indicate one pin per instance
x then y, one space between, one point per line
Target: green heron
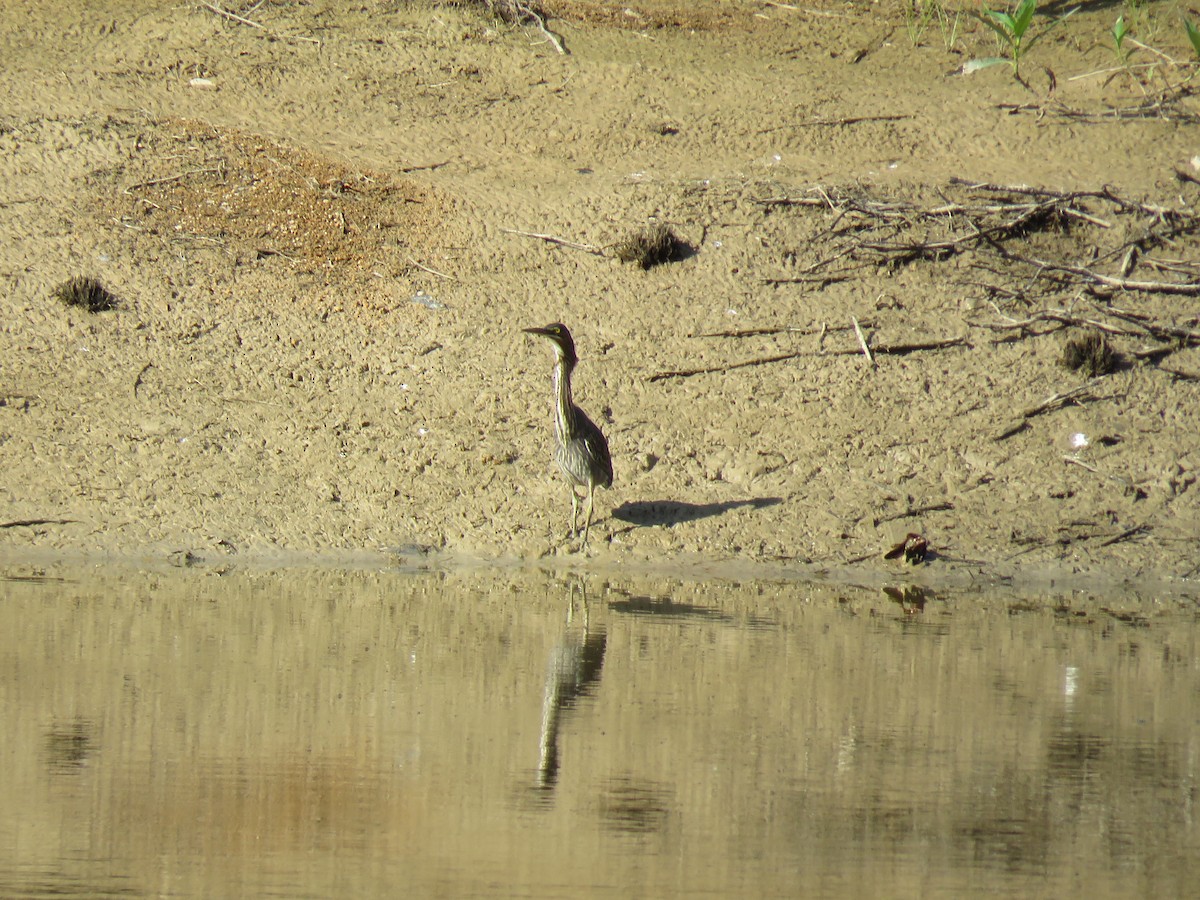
579 446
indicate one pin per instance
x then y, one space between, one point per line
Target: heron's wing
597 448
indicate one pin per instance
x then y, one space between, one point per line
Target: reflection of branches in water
69 746
572 671
666 608
635 807
669 608
910 597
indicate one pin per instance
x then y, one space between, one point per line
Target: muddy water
377 734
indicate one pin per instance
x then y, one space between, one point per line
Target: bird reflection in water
572 671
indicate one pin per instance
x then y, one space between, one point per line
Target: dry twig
912 512
862 341
549 238
900 349
233 17
1052 402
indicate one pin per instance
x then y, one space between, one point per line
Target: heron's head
560 336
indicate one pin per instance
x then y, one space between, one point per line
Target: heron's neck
564 409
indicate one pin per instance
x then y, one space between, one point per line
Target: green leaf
1193 34
975 65
1119 30
1001 20
1025 13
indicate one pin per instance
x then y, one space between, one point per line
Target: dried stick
168 179
549 238
847 120
1124 482
1063 318
761 332
554 40
431 271
25 523
227 14
234 17
1126 535
1123 284
687 373
913 511
886 349
1046 405
862 341
911 347
541 24
1057 400
426 166
137 382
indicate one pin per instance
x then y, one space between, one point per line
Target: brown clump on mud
651 246
1090 352
87 293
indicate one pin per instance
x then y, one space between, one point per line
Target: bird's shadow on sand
645 513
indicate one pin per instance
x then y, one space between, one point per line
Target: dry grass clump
1090 352
650 246
88 293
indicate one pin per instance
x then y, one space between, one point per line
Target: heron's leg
574 511
587 523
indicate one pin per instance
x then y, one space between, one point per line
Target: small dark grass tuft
86 292
1090 352
651 246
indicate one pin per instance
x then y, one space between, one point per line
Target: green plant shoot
1119 32
1193 34
1013 31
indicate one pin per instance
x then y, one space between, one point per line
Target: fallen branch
234 17
26 523
1125 535
541 24
907 347
241 20
845 120
1124 482
884 349
1191 289
168 179
427 167
549 238
425 268
912 512
1046 405
1061 317
745 364
1174 337
821 281
762 332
